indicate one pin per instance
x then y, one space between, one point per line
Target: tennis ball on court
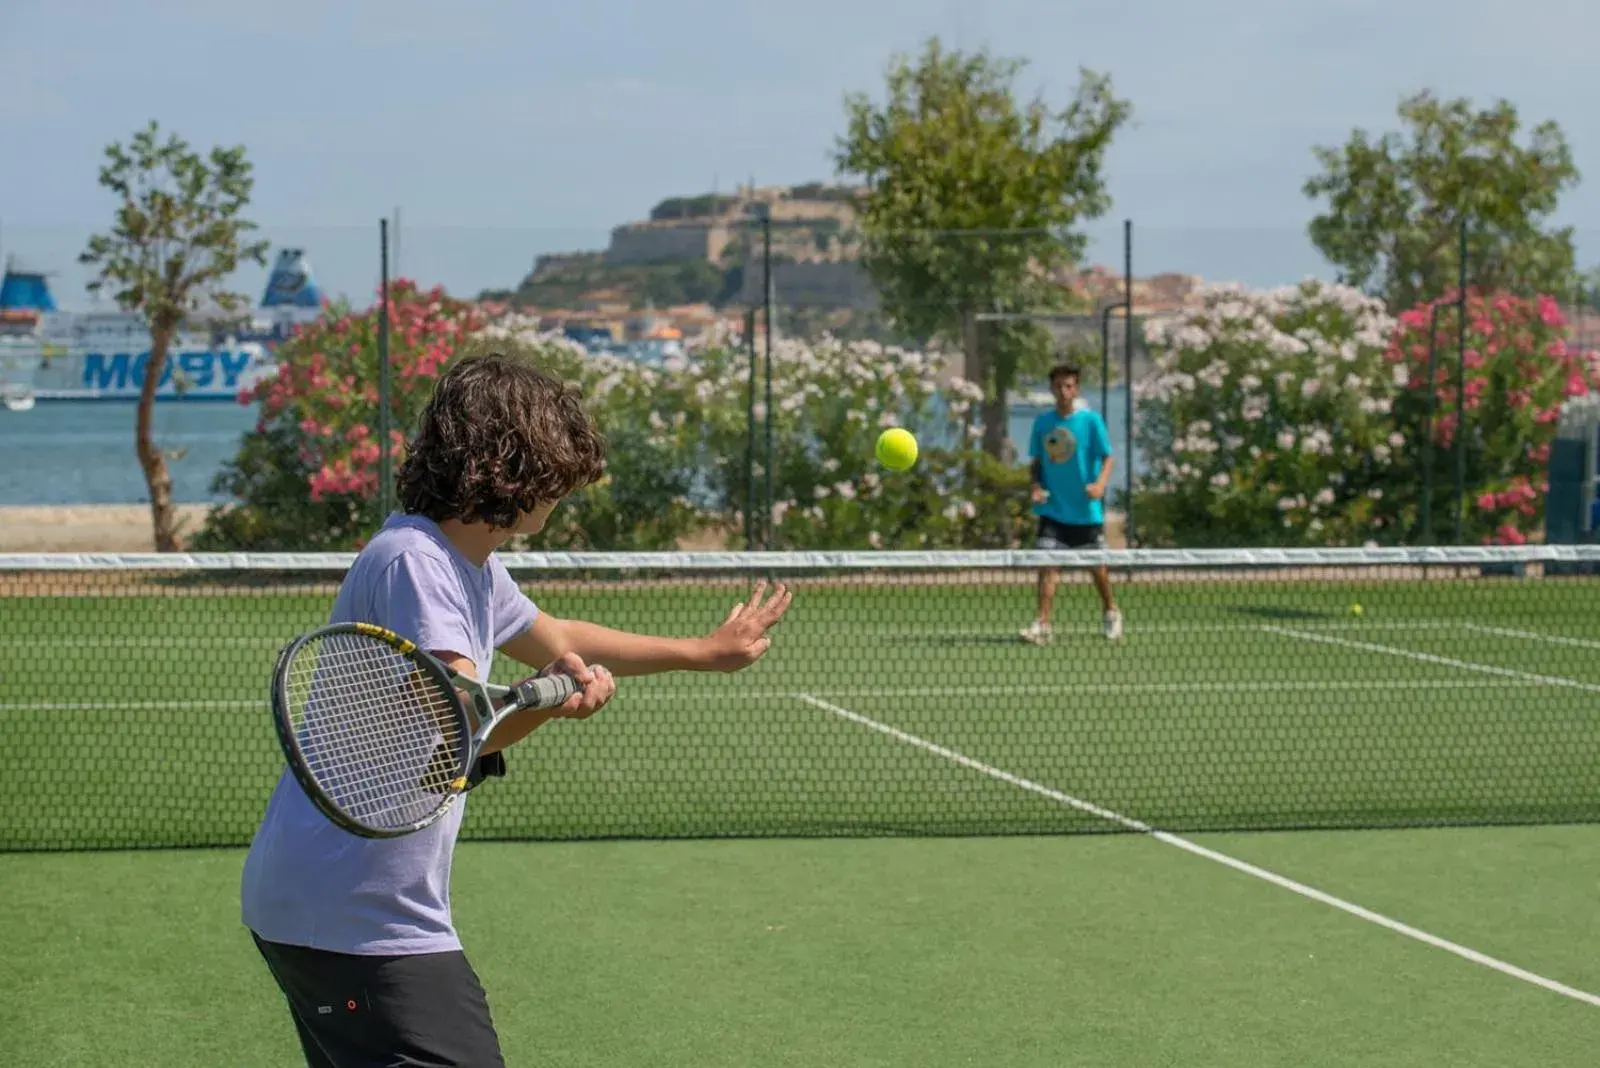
897 448
1355 609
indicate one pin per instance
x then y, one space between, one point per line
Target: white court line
1198 850
1430 658
1533 635
1145 628
1111 689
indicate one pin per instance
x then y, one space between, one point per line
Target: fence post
385 416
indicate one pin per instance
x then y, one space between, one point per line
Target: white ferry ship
47 354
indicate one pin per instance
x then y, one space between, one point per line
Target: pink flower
1539 454
308 425
1487 502
1519 398
1510 535
1550 311
1548 416
357 432
1473 358
1576 386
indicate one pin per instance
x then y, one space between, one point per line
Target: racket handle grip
545 691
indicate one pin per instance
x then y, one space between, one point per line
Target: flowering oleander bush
677 440
308 476
1519 369
1268 420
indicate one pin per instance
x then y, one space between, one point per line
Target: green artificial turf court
1047 951
864 849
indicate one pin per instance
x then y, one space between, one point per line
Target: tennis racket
377 731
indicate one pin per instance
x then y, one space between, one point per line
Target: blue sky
506 129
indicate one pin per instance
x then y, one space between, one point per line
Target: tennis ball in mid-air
897 448
1355 609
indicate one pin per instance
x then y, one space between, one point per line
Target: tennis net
1251 689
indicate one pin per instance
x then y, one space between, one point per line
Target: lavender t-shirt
307 882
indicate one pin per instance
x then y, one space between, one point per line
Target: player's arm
739 642
519 725
1097 488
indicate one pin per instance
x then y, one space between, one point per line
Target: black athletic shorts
1058 535
355 1011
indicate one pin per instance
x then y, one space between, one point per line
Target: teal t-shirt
1070 449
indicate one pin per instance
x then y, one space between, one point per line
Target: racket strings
382 740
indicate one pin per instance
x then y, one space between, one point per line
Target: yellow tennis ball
1355 609
897 448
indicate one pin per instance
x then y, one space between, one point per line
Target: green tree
971 200
1394 203
177 237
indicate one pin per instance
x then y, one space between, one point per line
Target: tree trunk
156 477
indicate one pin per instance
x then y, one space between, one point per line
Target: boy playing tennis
1071 453
357 932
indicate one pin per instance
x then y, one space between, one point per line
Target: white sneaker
1037 633
1111 626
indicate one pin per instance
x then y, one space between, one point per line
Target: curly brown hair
498 438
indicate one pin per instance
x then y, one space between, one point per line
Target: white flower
845 490
1221 479
874 539
1286 439
1324 496
1396 440
1310 387
1402 375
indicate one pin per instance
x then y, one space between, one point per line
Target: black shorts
1057 535
355 1011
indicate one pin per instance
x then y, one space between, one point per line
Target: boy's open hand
742 638
598 687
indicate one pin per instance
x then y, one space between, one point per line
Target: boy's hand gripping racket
377 731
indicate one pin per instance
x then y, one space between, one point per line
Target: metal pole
1105 357
1127 377
750 435
385 461
1427 427
766 300
1461 385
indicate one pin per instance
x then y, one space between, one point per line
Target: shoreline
87 528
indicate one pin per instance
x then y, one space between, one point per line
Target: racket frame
490 705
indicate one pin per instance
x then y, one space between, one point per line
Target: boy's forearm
625 653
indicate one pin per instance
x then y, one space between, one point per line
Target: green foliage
307 477
692 207
1267 422
678 441
179 232
1394 203
973 197
1516 370
178 235
680 282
